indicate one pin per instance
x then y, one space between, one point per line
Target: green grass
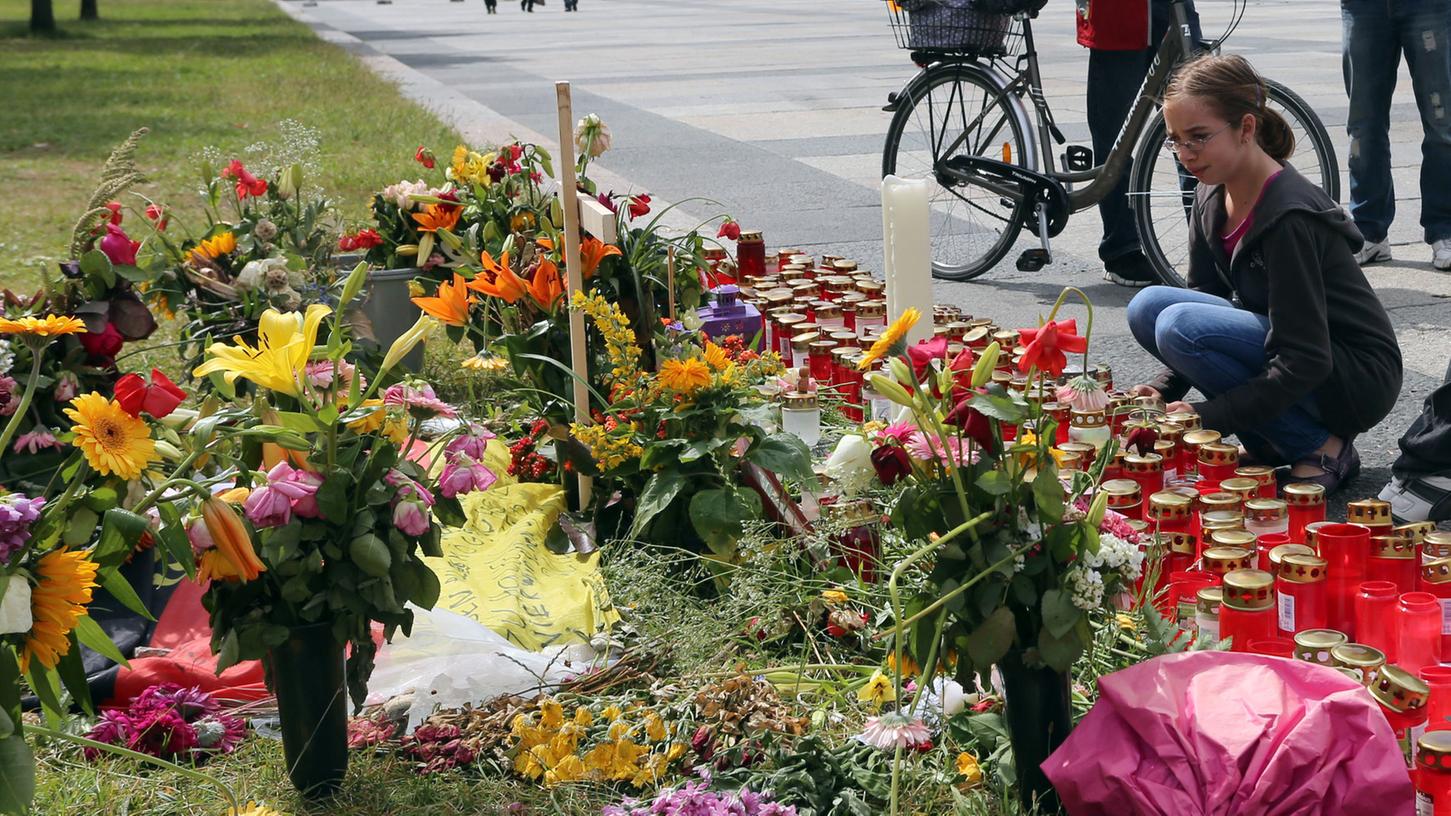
201 74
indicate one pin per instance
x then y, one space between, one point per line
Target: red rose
158 398
973 423
892 463
156 213
424 156
367 239
103 347
729 229
639 205
115 208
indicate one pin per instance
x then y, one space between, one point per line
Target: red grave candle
1402 696
1418 631
1438 709
1148 471
1306 502
1436 580
1433 770
1346 547
1217 462
1300 594
1393 558
858 547
751 254
1248 610
1376 603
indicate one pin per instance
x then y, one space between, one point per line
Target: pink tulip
119 247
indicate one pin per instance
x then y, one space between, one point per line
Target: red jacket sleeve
1113 25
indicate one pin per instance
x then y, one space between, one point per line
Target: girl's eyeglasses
1194 144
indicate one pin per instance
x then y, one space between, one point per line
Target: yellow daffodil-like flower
63 588
611 713
684 376
909 666
47 326
113 441
568 769
215 247
551 714
834 597
284 342
619 729
890 340
969 769
469 167
655 728
878 691
582 717
254 809
716 357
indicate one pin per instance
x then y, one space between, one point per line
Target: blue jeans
1217 346
1376 33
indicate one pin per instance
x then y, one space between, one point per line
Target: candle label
1446 616
1417 731
1287 612
882 409
1208 628
1425 805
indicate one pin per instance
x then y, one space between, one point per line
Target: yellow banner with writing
497 570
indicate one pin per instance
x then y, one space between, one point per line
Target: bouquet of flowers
170 722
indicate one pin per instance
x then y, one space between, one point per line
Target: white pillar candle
907 251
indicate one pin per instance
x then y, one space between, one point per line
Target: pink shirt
1231 240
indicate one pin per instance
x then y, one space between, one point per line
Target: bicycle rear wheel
972 228
1162 194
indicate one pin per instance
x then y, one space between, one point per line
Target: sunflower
62 590
113 441
215 247
48 326
685 376
886 344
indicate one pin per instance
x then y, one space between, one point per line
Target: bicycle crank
1044 198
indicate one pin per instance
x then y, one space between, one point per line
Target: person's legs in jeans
1144 310
1370 57
1425 37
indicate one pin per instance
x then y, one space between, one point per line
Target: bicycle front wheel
972 228
1162 193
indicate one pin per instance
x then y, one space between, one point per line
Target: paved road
773 109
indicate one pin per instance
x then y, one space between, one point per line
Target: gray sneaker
1441 253
1380 252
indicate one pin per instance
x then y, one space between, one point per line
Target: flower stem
136 755
181 467
24 408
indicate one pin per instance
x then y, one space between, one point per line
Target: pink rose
268 507
411 517
119 247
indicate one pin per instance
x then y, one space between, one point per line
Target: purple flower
67 386
17 513
464 475
114 728
191 702
408 488
411 517
268 507
10 395
119 247
471 444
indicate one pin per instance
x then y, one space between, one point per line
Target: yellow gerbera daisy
62 590
113 441
254 809
215 247
48 326
886 344
715 357
684 376
481 362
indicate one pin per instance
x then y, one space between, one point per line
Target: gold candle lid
1007 339
871 309
1320 639
804 400
1201 437
1278 554
1433 751
1221 520
1248 589
1244 488
1180 543
1241 539
1171 431
1415 531
1399 690
1370 512
1266 509
1351 673
1357 656
1218 453
1393 546
1437 542
803 341
1088 419
1208 600
1146 463
1304 494
1221 501
1299 568
1167 506
1224 560
820 346
1165 448
1261 474
1436 572
1188 420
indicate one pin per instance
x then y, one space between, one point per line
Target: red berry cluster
735 349
525 463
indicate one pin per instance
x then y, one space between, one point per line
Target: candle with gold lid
1209 601
1214 520
1362 658
1239 539
1245 489
1210 502
1393 558
1300 593
1217 462
1433 772
1436 544
1402 698
1263 476
1183 551
1147 470
1090 427
1188 420
1266 517
1125 496
1278 554
1436 580
1224 560
1312 539
1314 645
1248 611
1372 513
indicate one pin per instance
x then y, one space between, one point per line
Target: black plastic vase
312 702
1036 706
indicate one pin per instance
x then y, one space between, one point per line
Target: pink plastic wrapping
1231 735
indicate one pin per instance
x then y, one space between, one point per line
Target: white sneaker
1441 253
1426 498
1380 251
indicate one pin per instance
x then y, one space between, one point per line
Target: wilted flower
265 230
591 137
895 730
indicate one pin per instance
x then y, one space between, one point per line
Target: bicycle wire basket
956 27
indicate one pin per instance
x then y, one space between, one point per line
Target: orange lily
498 280
237 558
546 288
451 305
436 217
591 251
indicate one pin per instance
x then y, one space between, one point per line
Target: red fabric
1113 25
183 629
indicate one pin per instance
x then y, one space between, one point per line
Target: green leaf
785 455
46 685
79 526
659 492
719 515
1048 494
1060 652
429 587
230 653
120 531
995 483
72 675
1059 613
300 422
116 584
1000 407
987 644
95 264
332 496
17 775
93 636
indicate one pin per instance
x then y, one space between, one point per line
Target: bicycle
962 123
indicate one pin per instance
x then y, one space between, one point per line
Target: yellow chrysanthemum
551 714
62 590
284 342
886 344
254 809
969 769
611 713
655 728
684 376
113 441
215 247
716 357
833 597
878 691
582 716
48 326
568 769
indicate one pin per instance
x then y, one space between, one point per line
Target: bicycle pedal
1078 158
1033 259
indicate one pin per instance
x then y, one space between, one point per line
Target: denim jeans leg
1218 349
1369 58
1425 36
1144 310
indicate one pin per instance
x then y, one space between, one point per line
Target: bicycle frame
1176 46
